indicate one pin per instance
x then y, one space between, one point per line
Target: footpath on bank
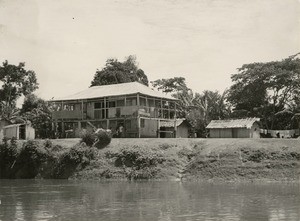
180 159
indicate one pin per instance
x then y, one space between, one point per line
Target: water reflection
92 200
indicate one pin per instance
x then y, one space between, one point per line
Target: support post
82 117
139 126
138 100
161 109
79 125
158 128
104 117
62 129
175 128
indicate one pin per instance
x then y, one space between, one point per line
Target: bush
100 139
48 144
8 156
140 162
87 137
36 159
29 160
78 156
103 138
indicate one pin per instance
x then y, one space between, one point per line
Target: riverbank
180 159
197 159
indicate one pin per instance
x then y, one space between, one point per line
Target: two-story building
132 109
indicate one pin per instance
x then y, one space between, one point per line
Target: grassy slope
204 159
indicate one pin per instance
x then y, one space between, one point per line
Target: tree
38 112
170 85
178 89
265 89
16 81
116 72
212 104
198 109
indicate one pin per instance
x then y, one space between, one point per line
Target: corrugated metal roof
170 123
238 123
115 90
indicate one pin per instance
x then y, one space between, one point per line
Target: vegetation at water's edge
201 159
33 159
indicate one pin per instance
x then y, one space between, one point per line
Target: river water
152 200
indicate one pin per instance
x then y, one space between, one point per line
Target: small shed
167 129
234 128
19 131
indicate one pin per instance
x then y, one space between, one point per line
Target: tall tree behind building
198 108
116 72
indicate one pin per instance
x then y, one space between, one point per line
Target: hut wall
225 133
214 133
182 131
3 123
11 132
30 132
220 133
241 133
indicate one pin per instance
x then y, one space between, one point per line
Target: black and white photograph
150 110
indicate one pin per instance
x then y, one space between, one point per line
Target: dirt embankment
203 159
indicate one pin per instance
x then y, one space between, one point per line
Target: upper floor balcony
65 114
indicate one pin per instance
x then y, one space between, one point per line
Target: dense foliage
36 159
116 72
38 112
16 81
198 109
265 90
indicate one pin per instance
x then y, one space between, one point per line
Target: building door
162 132
22 132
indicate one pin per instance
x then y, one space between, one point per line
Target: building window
166 114
165 104
120 103
151 103
131 102
172 105
98 105
143 101
112 104
157 103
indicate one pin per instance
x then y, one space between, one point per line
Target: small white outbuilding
234 128
19 131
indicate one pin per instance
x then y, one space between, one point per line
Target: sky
65 41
